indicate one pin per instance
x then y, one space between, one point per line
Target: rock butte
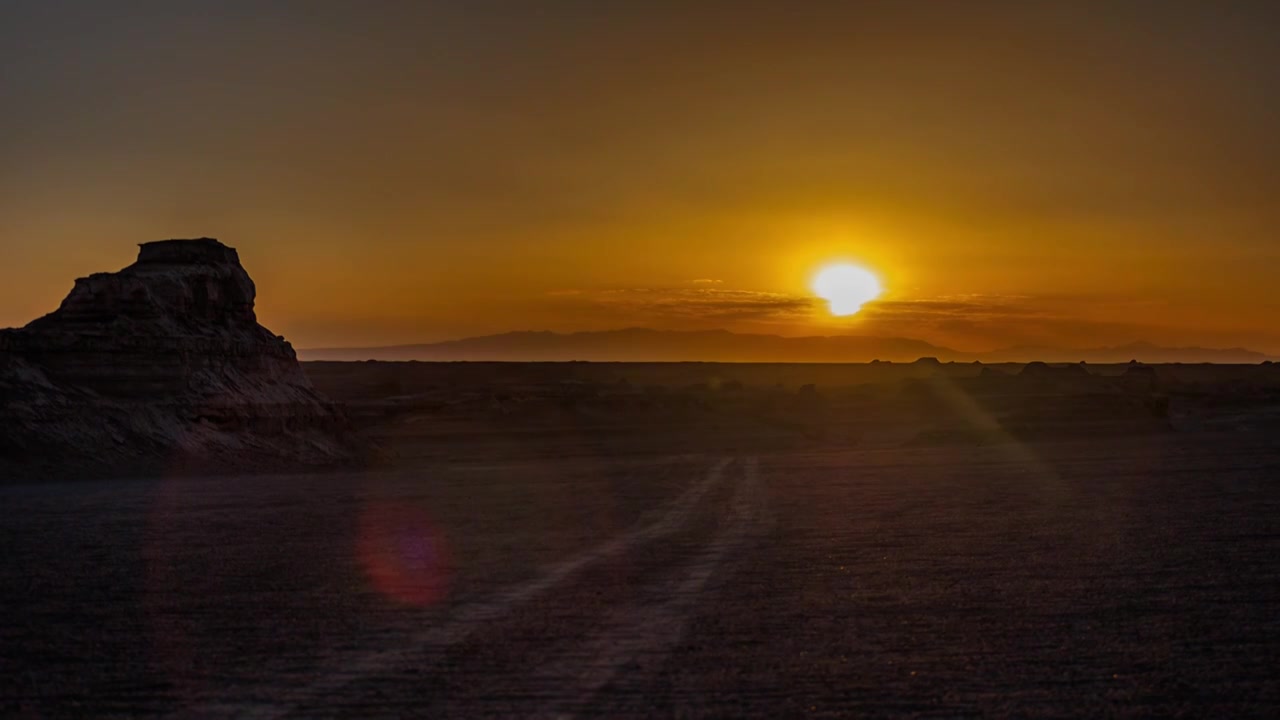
161 367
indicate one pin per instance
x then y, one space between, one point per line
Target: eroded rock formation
161 367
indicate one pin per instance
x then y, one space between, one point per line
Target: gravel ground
1132 577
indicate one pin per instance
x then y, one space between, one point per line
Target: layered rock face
161 366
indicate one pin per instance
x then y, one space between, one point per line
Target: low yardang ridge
163 367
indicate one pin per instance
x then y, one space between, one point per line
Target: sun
846 287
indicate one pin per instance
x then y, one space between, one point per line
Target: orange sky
1076 174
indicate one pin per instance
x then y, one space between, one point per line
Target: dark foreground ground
1134 576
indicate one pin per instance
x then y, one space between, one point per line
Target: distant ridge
1141 351
647 345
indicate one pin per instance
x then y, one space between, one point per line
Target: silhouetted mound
161 367
1140 378
1053 372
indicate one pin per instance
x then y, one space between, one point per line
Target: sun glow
846 288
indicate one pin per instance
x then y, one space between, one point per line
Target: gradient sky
1070 173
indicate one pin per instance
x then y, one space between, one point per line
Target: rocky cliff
160 367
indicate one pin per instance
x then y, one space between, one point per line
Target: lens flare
403 554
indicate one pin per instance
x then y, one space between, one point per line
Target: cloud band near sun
989 321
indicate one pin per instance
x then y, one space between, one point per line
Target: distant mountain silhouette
646 345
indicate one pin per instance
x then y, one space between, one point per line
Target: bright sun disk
846 288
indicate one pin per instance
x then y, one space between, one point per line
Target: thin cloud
973 307
702 303
708 303
965 322
996 321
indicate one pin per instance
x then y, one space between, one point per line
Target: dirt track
1137 578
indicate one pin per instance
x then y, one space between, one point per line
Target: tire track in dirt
634 642
285 700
